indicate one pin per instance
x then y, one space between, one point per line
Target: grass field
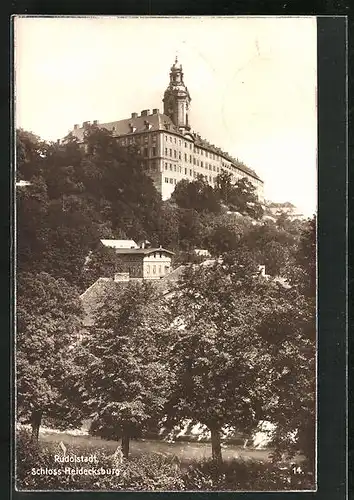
185 451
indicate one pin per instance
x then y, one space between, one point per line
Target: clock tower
176 100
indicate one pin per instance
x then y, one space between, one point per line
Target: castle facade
171 151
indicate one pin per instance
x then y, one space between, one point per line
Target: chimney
145 112
85 124
134 115
76 126
95 122
155 111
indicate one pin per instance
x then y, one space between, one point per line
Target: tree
214 355
239 196
242 350
196 195
100 262
126 385
190 229
223 186
48 323
222 240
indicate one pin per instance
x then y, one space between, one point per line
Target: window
190 158
185 171
170 139
206 154
146 152
193 161
217 169
175 168
190 146
202 152
166 167
201 163
148 269
154 151
175 140
170 166
185 145
179 169
166 180
179 155
166 152
179 142
198 163
171 181
153 269
174 181
175 153
214 168
185 156
166 138
209 167
170 152
209 178
190 172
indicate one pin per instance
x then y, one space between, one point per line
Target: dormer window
132 127
147 125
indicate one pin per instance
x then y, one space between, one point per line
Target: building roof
203 143
141 251
95 296
119 243
157 121
149 123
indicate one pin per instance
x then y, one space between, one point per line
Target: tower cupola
176 98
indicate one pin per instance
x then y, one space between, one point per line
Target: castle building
171 151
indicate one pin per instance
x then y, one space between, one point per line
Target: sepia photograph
165 240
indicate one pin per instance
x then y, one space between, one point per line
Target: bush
153 472
236 475
145 473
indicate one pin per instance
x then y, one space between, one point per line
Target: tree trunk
36 419
216 445
125 445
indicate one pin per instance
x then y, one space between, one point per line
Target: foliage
153 472
239 196
236 475
243 350
101 262
125 388
197 195
48 322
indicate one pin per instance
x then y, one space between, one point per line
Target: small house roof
141 251
119 243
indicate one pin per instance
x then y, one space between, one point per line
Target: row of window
197 150
138 139
172 180
173 153
146 151
157 269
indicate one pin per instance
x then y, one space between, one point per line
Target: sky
252 81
